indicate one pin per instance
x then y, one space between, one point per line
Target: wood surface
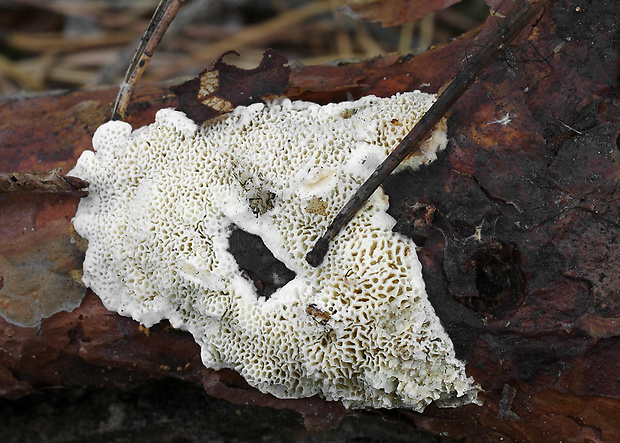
518 224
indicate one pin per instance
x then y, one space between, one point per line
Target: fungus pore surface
164 199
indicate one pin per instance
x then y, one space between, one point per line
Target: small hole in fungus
258 263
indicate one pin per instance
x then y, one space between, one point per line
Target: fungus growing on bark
164 199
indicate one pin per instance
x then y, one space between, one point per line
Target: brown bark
518 223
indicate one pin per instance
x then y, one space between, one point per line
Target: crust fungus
165 198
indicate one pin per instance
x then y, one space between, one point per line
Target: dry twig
42 182
461 82
164 14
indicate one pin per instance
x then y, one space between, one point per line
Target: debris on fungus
164 199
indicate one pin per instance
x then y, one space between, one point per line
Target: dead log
518 224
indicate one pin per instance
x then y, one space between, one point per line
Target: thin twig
52 182
164 14
461 82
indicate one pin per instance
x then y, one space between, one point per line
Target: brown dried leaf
394 12
221 87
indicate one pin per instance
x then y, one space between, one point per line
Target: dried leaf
394 12
221 87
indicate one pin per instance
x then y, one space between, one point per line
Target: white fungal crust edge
359 328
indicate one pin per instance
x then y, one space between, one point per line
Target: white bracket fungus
359 328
